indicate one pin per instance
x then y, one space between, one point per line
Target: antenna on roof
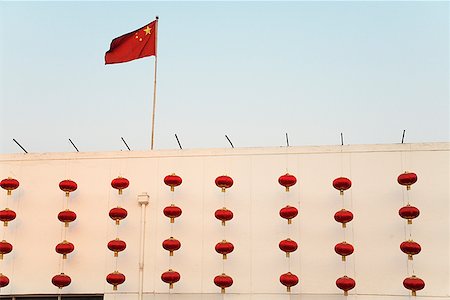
342 139
74 145
403 136
287 140
229 141
123 140
178 141
20 146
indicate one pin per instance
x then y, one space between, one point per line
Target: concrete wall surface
377 265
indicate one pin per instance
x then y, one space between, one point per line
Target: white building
377 265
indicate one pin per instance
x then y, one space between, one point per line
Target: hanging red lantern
287 180
5 248
64 248
346 284
172 180
342 184
172 212
118 214
171 245
224 248
61 280
344 249
9 184
411 248
4 281
120 183
67 216
7 215
116 246
288 246
223 281
68 186
223 215
115 278
170 277
289 212
224 182
413 284
288 280
407 179
409 212
343 216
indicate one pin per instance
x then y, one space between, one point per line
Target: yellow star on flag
147 30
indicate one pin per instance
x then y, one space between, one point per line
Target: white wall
378 265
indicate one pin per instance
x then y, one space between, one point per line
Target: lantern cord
20 146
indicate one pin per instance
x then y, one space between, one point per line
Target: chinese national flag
136 44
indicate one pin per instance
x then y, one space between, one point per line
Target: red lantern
5 248
4 281
118 214
6 216
64 248
172 212
289 280
224 248
287 181
413 284
223 281
224 182
411 248
344 249
289 212
117 246
288 246
120 183
61 280
170 277
343 216
115 279
346 284
407 179
172 181
68 186
342 184
171 245
223 215
9 184
409 212
67 216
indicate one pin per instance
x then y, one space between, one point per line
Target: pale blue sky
251 70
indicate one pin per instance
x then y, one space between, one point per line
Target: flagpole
154 83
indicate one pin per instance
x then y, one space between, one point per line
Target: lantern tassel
408 187
5 224
64 256
223 223
288 289
8 193
287 189
413 293
344 225
114 287
343 258
224 256
66 224
410 257
117 222
172 189
120 191
409 221
223 190
67 194
116 254
345 293
1 255
287 254
170 285
172 220
170 253
289 221
222 290
341 192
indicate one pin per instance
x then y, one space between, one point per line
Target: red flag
136 44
